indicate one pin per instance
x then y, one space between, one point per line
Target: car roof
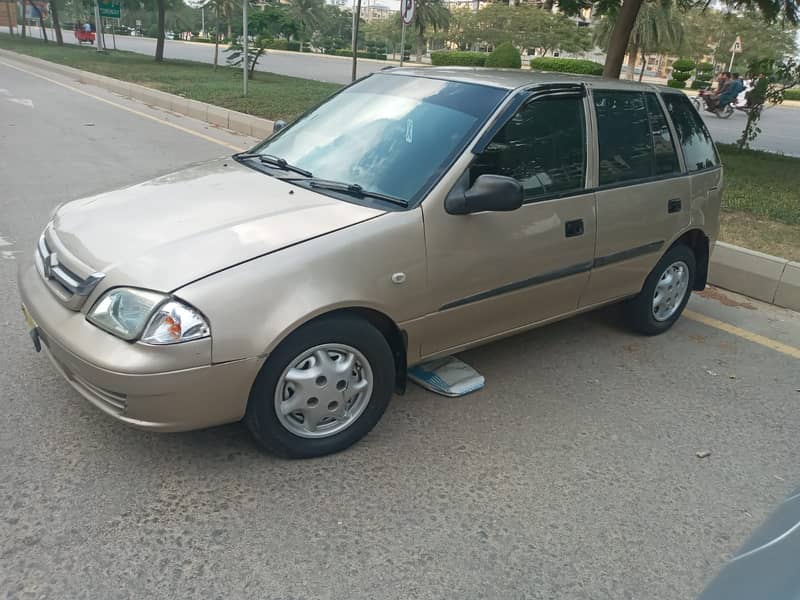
511 79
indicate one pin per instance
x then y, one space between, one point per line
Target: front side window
543 146
698 149
390 134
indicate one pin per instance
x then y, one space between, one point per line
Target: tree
429 14
776 78
308 14
56 22
711 33
657 28
235 53
770 11
463 28
162 9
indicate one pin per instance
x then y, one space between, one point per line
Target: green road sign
109 9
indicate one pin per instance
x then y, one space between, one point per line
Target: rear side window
666 158
633 137
698 149
543 146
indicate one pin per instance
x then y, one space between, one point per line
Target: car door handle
674 205
573 228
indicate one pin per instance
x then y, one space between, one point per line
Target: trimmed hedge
567 65
360 54
673 83
444 58
791 94
505 56
283 45
683 64
700 84
681 75
705 67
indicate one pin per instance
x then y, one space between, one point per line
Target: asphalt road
572 474
780 129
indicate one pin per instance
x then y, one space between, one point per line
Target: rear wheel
726 112
664 294
323 389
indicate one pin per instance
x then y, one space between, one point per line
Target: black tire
639 309
261 418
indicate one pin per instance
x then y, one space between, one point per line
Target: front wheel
323 389
697 103
664 294
724 113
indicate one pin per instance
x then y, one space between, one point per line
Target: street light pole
244 43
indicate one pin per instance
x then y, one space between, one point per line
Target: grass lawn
270 96
761 202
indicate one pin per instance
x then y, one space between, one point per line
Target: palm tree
657 28
429 14
308 14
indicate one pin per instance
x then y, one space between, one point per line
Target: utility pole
244 44
356 19
203 19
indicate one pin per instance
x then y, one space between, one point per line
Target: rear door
702 161
643 195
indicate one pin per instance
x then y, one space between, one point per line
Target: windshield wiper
354 190
275 161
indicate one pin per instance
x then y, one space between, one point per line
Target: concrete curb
755 274
761 276
235 121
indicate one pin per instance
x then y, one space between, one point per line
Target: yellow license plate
33 329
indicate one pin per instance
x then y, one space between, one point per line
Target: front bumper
169 388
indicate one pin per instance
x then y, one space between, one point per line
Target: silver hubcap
323 391
670 290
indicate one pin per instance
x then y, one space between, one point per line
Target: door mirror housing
278 125
494 193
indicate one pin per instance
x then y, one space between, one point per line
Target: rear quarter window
698 147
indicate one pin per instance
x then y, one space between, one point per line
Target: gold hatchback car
416 213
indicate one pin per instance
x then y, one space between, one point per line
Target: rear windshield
392 134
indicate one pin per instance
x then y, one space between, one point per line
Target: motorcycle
739 103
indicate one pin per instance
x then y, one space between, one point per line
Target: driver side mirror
489 193
278 125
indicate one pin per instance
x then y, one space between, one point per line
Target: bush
791 94
444 58
205 40
705 67
700 84
683 64
674 83
505 56
360 54
681 75
292 45
567 65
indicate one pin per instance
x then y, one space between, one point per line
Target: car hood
178 228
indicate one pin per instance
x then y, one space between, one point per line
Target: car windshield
390 134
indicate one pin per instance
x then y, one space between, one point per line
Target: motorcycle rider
723 82
730 94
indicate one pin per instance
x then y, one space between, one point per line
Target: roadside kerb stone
219 116
747 272
788 292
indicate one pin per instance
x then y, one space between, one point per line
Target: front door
643 199
494 272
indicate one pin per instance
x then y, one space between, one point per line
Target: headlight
127 312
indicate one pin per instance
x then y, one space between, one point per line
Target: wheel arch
394 336
698 242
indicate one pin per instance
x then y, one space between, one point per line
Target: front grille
69 287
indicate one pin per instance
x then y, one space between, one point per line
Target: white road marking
9 254
4 242
4 92
23 101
